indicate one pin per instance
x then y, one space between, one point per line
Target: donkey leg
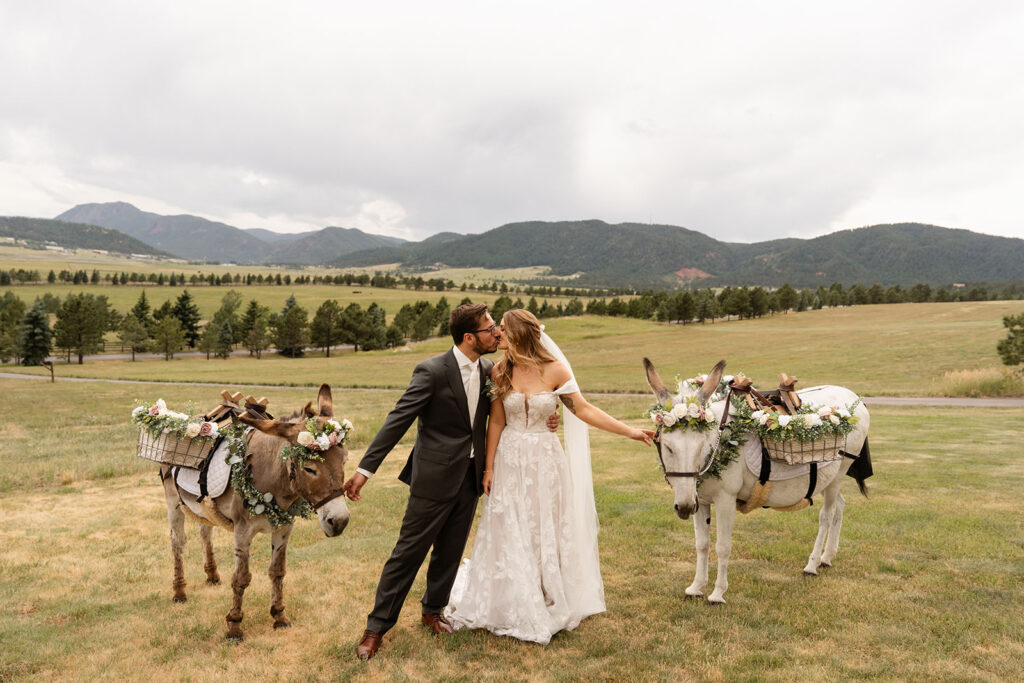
825 518
210 563
702 536
279 546
241 578
834 531
725 515
176 518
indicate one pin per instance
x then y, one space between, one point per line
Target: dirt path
870 400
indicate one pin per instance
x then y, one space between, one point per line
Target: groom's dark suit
444 483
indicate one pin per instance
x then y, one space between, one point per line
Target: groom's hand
554 419
354 485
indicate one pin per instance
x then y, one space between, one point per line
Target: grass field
926 585
897 349
86 259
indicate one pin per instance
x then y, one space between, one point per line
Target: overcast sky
742 120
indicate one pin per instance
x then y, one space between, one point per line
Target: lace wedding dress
534 570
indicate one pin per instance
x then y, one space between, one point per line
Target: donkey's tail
861 468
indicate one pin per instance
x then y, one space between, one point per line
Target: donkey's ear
286 430
325 402
711 383
660 390
307 410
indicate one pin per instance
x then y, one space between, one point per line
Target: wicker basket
170 450
798 452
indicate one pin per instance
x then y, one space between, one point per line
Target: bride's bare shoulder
557 373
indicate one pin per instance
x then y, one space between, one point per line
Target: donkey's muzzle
684 511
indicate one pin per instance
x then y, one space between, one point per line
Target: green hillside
73 235
638 255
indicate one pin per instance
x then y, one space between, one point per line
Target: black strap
766 466
813 481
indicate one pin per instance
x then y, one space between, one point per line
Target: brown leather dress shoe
368 646
437 623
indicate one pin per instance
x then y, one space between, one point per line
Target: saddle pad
780 469
217 476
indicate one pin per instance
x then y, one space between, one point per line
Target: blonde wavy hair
522 332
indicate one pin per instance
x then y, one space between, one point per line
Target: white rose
192 430
323 441
234 459
693 410
347 425
812 420
138 411
305 438
259 509
161 405
824 411
679 411
756 415
267 497
834 419
843 412
335 425
784 420
657 419
765 417
668 419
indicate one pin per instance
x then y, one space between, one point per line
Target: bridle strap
661 461
330 496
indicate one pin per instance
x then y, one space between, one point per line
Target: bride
534 570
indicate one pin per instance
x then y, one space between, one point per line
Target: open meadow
892 349
926 585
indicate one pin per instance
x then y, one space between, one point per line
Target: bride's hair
522 332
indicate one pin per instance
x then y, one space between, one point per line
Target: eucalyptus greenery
257 502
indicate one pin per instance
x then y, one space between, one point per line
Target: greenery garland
257 502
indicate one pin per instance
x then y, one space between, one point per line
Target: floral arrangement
257 502
314 440
809 423
695 383
689 413
157 419
490 390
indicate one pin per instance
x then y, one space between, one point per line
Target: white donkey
685 452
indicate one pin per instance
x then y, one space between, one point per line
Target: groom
447 395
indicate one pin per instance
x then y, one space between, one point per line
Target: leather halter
697 473
328 498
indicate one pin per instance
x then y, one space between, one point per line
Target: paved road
870 400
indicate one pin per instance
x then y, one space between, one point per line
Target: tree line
82 320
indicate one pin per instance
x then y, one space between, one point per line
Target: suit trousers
443 525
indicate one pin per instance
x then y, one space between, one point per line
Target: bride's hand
645 435
488 480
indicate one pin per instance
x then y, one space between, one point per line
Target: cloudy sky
743 120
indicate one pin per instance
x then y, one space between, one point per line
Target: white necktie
473 390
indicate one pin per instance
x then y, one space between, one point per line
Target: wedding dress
534 570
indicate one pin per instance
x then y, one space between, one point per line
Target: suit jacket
439 459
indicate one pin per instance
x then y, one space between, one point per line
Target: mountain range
199 239
589 252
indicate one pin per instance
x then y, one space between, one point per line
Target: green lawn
898 349
926 585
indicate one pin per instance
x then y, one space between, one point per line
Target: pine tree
291 329
133 334
327 327
225 339
168 337
187 313
82 319
142 312
35 336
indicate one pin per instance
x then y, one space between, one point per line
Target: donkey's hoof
716 602
810 572
692 596
825 565
180 598
282 624
213 580
234 635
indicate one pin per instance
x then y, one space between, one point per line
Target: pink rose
206 429
333 438
154 410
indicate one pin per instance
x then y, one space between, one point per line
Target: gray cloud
742 121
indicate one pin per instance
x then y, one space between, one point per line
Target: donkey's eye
310 470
